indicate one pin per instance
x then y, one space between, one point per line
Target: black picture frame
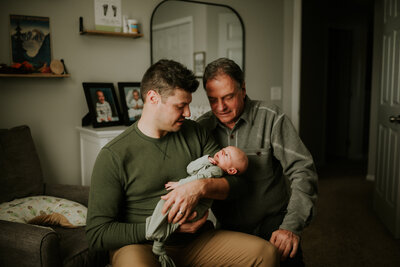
91 94
126 94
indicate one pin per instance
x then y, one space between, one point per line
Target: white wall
54 107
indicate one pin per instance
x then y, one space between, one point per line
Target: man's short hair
224 66
165 76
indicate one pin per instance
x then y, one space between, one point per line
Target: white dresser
91 141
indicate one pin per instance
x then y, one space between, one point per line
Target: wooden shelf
35 75
82 31
117 34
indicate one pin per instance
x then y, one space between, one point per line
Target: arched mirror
196 33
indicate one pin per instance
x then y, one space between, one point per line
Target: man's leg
134 256
225 248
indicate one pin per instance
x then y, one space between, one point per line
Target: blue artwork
30 40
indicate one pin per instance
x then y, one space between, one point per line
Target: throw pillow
44 210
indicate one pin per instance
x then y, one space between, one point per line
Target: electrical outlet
276 93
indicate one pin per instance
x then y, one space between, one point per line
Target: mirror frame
205 3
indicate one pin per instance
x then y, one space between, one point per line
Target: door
230 36
338 93
174 40
387 186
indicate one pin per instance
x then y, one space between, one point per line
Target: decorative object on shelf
133 26
103 105
107 15
199 63
82 31
131 101
30 41
56 66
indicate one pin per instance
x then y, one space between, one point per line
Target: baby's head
135 94
232 160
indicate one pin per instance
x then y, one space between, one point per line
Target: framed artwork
103 104
131 101
199 63
30 40
107 15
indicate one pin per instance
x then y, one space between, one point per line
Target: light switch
276 93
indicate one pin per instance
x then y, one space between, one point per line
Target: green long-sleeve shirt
129 176
273 148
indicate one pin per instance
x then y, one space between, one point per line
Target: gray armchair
31 245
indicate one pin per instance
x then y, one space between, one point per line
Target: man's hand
181 200
286 242
192 227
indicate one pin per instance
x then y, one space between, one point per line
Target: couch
23 244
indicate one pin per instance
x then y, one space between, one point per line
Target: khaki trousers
212 248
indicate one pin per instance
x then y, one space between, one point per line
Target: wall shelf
82 31
117 34
35 75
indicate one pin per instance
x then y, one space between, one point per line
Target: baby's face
136 95
227 157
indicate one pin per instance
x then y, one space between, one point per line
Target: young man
268 207
130 173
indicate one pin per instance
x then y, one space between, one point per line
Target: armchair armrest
77 193
28 245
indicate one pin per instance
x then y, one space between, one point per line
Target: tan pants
212 248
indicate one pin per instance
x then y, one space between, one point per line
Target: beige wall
54 107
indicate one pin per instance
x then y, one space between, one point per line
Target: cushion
20 171
44 210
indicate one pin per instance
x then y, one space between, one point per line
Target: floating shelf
117 34
82 31
35 75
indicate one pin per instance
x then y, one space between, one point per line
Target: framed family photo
103 104
131 101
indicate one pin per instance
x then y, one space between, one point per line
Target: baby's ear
231 171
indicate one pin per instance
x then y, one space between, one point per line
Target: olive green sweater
129 176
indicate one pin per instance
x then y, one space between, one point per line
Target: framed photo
107 15
30 40
131 101
199 63
103 104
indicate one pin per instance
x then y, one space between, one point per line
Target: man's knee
267 254
132 256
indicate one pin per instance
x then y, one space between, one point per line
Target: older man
282 181
129 178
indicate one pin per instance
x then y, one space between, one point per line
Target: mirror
195 33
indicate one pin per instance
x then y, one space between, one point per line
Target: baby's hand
171 185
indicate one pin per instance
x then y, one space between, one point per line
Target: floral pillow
44 210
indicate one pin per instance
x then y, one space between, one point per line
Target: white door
230 34
174 40
387 186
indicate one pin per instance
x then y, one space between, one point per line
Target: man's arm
298 166
185 197
104 230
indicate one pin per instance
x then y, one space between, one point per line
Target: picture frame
199 63
107 15
30 41
131 101
103 104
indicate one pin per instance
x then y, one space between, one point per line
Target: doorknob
394 119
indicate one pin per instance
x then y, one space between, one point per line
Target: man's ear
152 97
231 171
